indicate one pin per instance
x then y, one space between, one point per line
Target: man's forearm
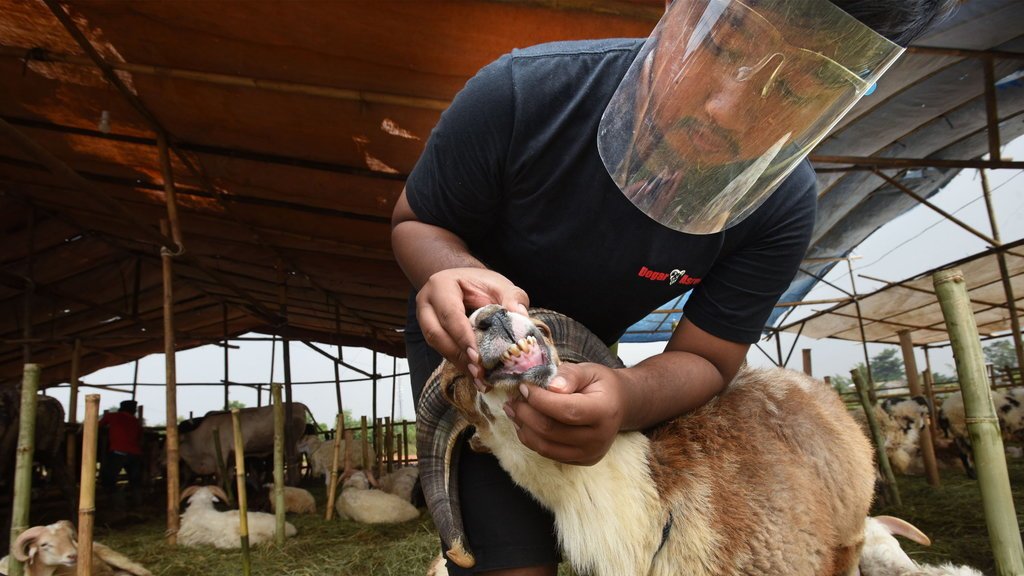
422 250
665 386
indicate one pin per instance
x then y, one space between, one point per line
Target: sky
915 242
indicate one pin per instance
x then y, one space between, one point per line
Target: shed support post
173 522
23 461
892 491
982 424
925 438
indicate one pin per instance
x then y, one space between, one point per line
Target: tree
841 384
236 404
1000 354
887 365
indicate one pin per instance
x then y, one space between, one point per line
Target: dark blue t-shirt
513 169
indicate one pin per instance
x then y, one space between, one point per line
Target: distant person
124 450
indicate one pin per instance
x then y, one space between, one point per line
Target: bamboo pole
364 429
389 444
171 442
982 424
23 466
87 492
70 444
910 368
891 490
227 378
243 516
1004 273
275 393
333 486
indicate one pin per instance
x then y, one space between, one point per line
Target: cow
195 439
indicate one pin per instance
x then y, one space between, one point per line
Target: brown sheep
771 477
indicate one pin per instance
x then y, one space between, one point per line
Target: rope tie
982 420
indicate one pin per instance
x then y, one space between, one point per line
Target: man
602 179
124 450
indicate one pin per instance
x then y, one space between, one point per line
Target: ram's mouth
518 359
512 349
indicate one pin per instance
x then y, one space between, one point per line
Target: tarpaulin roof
911 305
290 127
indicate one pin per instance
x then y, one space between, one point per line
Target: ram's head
514 349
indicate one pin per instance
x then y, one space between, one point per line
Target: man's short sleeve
760 257
460 177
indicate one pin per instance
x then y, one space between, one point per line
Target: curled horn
216 490
25 541
188 492
439 427
901 527
574 342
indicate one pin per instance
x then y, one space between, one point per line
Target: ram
771 477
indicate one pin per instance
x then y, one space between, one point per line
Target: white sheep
770 477
53 551
320 455
401 482
202 524
296 500
360 503
882 554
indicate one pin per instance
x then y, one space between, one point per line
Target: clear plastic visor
724 100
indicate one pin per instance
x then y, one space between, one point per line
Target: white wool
360 503
401 482
201 524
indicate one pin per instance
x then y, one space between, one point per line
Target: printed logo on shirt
676 276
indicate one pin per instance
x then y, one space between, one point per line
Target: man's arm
449 280
577 419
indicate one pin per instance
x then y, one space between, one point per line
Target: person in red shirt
124 447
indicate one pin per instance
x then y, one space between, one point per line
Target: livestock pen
951 515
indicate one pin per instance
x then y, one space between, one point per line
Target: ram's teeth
514 350
505 356
523 344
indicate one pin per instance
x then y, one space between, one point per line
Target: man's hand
576 419
442 304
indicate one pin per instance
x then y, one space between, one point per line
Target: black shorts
505 527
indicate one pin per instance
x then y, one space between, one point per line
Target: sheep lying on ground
320 454
883 556
1009 407
296 500
360 503
202 524
401 482
770 477
53 551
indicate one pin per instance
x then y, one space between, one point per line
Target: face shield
726 98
